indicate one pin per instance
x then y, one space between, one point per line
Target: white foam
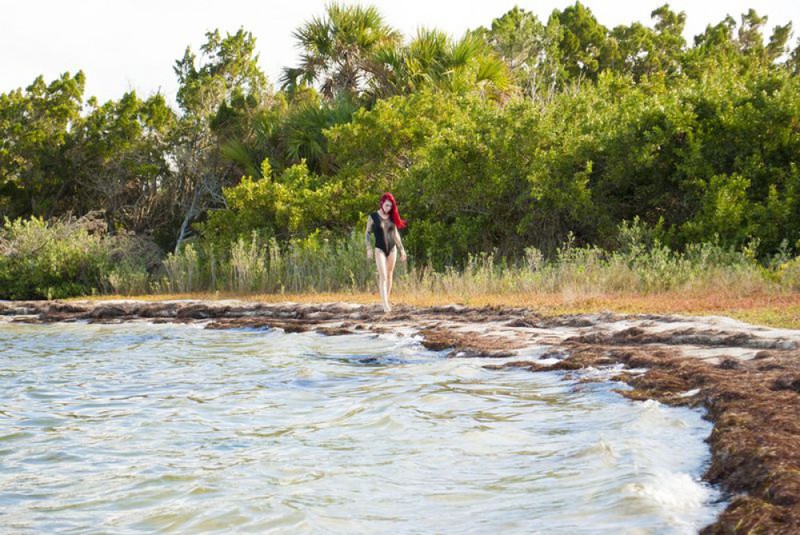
678 497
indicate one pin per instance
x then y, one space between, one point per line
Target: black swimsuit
384 233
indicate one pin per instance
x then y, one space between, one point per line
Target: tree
231 71
530 50
645 52
263 139
35 127
582 41
779 42
304 132
338 50
432 60
793 63
474 174
715 44
216 96
670 45
751 41
118 156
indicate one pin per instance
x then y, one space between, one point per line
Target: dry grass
772 309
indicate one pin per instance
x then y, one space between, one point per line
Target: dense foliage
40 260
516 136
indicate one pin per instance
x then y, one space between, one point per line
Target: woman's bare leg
391 261
380 262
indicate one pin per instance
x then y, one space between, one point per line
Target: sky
122 44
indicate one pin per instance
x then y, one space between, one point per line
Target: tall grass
254 266
77 257
313 265
579 272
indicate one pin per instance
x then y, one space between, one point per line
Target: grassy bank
641 275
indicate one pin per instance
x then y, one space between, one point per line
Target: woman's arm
399 244
366 237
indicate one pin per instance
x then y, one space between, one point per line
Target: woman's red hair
394 213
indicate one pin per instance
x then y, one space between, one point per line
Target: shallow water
173 428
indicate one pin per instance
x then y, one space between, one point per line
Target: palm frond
492 70
239 153
465 50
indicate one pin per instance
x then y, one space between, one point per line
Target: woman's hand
370 254
403 256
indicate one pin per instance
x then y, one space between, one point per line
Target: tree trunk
182 233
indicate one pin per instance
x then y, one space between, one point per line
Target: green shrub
51 260
71 257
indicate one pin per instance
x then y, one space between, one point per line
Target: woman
385 224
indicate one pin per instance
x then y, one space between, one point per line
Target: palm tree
338 49
432 59
303 132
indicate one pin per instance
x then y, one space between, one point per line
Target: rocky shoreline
746 377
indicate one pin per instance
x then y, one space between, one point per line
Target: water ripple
170 428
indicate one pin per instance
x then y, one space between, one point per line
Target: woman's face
386 206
